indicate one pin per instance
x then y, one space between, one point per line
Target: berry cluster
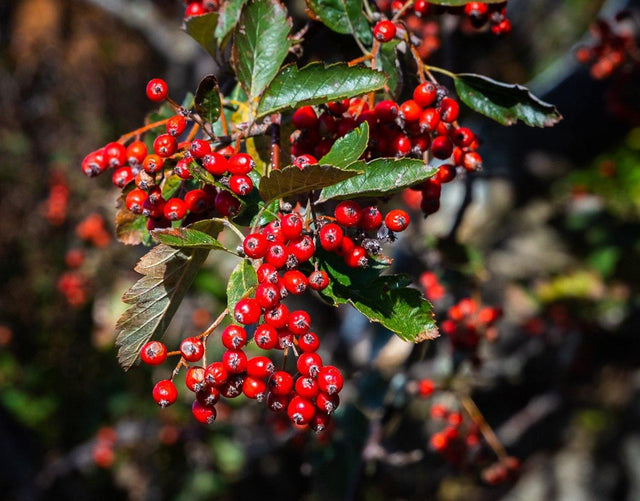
467 323
56 205
614 44
433 289
142 175
200 7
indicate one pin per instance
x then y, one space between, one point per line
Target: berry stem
125 137
223 117
192 133
275 142
404 9
487 432
366 57
436 69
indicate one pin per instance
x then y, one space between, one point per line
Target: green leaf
389 63
201 174
348 148
260 44
186 238
207 100
459 3
343 16
292 181
131 229
229 14
316 84
384 299
167 275
242 280
201 29
171 185
504 103
381 177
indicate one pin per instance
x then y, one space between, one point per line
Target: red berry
194 379
255 246
410 111
348 213
281 383
299 322
357 257
320 422
247 311
291 226
165 393
267 295
331 236
318 280
233 387
472 161
152 164
194 9
226 204
122 176
199 148
277 255
205 414
386 111
384 31
300 410
234 337
235 361
401 145
429 120
153 353
277 317
136 153
176 125
215 163
192 349
295 281
240 184
209 395
197 201
309 364
285 339
157 90
165 145
446 173
306 387
330 380
267 273
327 403
241 163
254 388
425 94
175 209
371 219
115 154
266 336
305 118
308 342
260 367
449 110
425 387
442 147
397 220
135 200
277 403
216 374
94 164
302 248
302 161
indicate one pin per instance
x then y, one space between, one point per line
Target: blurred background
548 232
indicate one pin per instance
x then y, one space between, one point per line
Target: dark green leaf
343 16
186 238
317 83
292 181
504 103
201 29
242 280
385 299
260 44
229 14
207 99
167 275
381 177
389 63
348 148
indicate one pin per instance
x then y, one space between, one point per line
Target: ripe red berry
199 148
327 403
306 387
235 361
266 336
192 349
254 388
197 201
299 322
136 153
441 147
429 120
233 387
277 255
135 200
153 353
309 364
216 374
472 161
194 9
267 295
309 342
330 380
446 173
449 110
277 403
175 209
331 236
94 164
384 31
176 125
300 410
152 164
421 8
209 395
205 414
357 257
295 281
425 387
241 163
348 213
260 367
425 94
291 225
281 383
277 317
397 220
302 161
122 176
371 218
255 246
318 280
226 204
165 145
115 154
247 311
302 248
215 163
267 273
410 111
234 337
165 393
304 118
194 379
240 184
157 90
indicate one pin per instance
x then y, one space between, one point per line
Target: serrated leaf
348 148
504 103
292 181
384 299
200 173
459 3
207 99
186 238
243 278
201 29
380 177
260 44
229 14
316 84
131 229
167 275
171 185
389 63
343 16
